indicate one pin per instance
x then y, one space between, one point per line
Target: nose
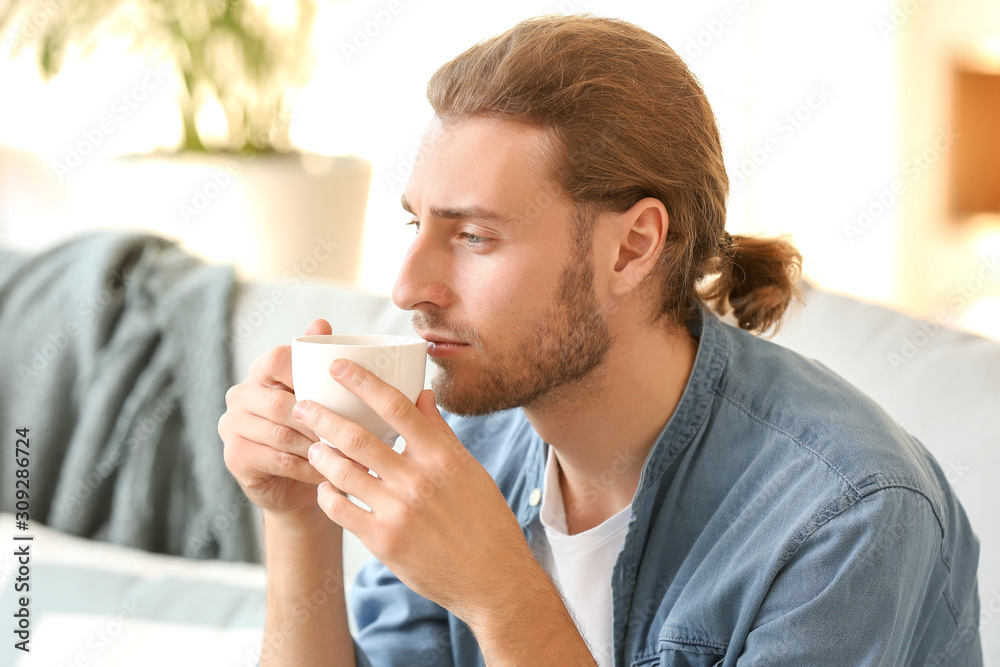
422 279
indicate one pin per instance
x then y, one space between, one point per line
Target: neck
603 427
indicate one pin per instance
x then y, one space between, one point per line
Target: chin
469 398
464 403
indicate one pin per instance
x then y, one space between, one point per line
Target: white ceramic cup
398 360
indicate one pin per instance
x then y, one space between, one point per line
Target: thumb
427 404
319 327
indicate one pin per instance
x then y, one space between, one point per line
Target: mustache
436 323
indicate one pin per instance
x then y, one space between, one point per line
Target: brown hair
629 121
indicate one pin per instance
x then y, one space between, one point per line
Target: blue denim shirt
781 518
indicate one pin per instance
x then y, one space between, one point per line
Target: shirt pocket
674 653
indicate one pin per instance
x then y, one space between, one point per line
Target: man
624 479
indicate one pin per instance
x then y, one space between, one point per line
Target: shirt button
535 497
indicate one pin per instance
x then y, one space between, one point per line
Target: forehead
479 161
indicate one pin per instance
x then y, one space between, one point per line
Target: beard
555 353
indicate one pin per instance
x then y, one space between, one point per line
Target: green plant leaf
256 84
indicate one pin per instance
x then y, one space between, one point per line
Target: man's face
500 289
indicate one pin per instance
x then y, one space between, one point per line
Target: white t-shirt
581 564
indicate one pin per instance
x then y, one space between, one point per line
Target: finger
253 462
353 441
388 402
277 436
273 368
319 327
345 474
427 404
275 405
343 512
275 365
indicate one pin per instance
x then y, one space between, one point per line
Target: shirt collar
678 433
692 411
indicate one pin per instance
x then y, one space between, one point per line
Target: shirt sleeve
395 626
868 587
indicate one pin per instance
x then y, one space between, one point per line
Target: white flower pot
282 217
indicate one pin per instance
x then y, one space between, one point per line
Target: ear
640 234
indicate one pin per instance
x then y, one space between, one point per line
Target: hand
438 520
265 447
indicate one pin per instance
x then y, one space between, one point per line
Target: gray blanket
113 354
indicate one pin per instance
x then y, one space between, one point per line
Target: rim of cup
361 340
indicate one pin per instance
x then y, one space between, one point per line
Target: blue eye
473 239
469 238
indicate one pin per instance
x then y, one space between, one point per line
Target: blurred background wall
860 128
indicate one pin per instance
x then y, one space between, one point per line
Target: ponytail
756 280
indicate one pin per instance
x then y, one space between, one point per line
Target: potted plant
248 58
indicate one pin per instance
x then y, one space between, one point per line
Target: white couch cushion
100 604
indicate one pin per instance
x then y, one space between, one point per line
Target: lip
438 346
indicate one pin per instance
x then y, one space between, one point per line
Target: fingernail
338 367
299 409
314 450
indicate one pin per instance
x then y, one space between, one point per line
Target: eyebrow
464 213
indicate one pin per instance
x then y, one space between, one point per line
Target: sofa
96 603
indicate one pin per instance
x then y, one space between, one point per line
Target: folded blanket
113 354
